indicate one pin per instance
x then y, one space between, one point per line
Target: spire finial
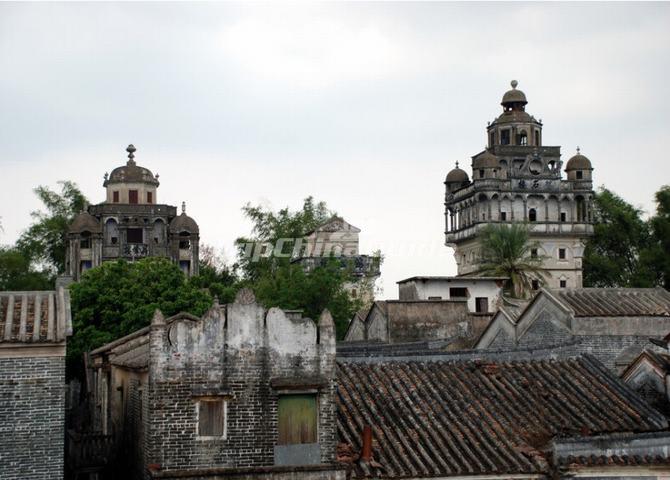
183 207
456 163
131 154
514 83
578 149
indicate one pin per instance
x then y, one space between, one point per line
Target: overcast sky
365 106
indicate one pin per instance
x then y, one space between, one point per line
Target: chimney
366 453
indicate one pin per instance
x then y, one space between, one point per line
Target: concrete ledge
300 472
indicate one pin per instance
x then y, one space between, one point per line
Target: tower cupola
131 183
514 99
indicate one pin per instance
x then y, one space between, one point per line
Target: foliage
269 227
617 255
45 240
279 282
215 276
658 256
17 274
118 298
506 253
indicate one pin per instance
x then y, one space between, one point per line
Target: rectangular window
533 253
481 173
184 266
132 196
481 305
85 265
504 137
150 197
580 174
563 283
564 217
561 253
211 418
297 419
134 235
115 197
535 285
434 298
503 216
458 292
85 243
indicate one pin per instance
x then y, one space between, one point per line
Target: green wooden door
297 419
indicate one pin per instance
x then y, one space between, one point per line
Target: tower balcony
135 250
577 229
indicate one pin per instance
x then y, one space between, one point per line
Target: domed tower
518 179
130 224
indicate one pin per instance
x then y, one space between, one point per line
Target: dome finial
183 207
131 154
514 83
578 149
456 163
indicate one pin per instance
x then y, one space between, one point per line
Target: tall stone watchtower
131 224
518 179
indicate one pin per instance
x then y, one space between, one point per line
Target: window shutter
297 419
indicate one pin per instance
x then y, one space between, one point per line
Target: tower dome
514 97
457 175
131 172
184 223
85 222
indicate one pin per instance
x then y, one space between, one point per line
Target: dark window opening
115 197
503 216
184 244
561 253
579 174
211 418
114 240
434 298
564 217
85 265
132 196
563 283
522 139
458 292
532 215
533 253
481 173
297 419
85 240
150 197
504 137
535 284
537 139
184 266
134 235
492 139
481 305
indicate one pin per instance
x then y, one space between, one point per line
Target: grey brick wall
32 418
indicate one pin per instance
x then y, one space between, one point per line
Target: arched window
532 215
111 232
85 240
537 138
581 209
522 139
159 232
184 241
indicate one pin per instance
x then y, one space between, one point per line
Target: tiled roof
615 302
478 417
35 317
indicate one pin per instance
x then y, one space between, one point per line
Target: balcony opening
503 216
564 217
134 235
522 139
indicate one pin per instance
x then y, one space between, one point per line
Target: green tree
612 256
506 252
17 273
45 240
657 257
118 298
215 276
277 281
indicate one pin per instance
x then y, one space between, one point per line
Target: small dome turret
184 223
578 162
485 160
85 222
456 179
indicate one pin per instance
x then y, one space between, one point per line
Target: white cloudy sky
365 106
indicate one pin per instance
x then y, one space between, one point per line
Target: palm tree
506 252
